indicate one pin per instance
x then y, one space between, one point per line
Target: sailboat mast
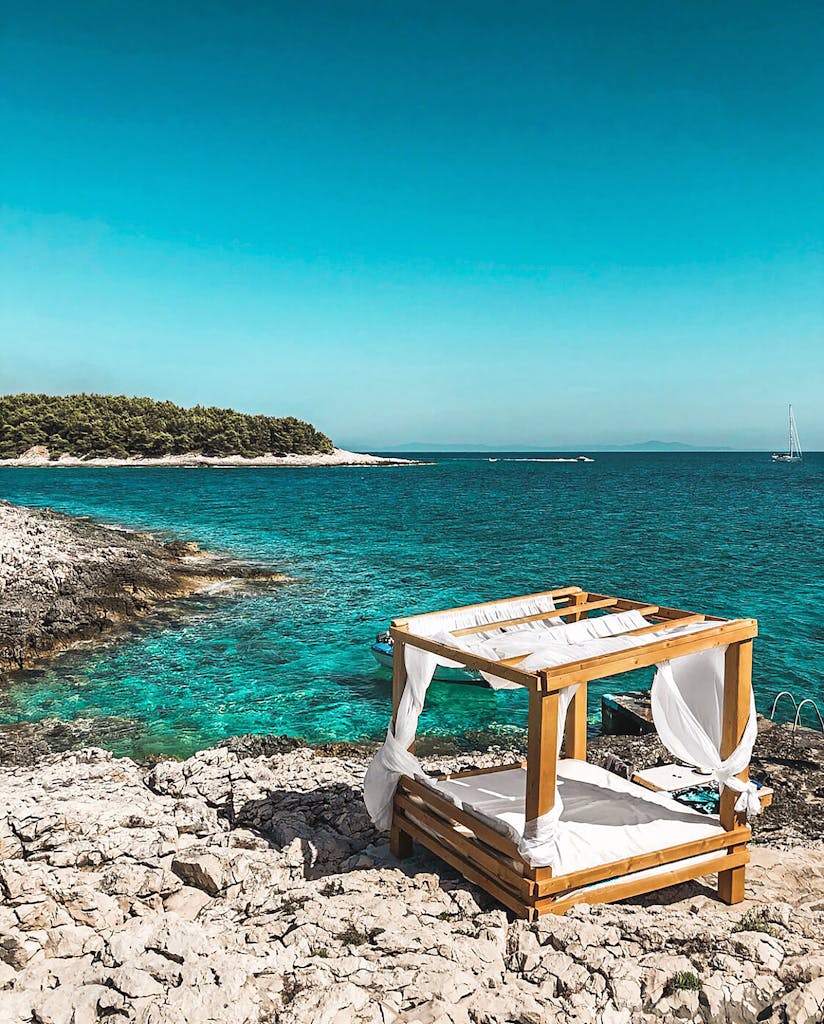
796 442
790 431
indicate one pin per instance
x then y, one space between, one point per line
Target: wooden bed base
490 859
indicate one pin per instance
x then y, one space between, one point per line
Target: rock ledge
65 579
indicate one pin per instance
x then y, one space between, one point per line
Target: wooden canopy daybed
618 839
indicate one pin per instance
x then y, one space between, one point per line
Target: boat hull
443 673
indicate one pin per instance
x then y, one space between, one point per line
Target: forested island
118 427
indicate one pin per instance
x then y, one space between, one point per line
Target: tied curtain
688 708
687 700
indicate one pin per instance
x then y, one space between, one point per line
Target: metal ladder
798 706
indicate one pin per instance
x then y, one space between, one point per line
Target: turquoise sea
728 533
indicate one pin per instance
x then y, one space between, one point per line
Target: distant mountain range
640 446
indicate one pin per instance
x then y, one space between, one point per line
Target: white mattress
605 817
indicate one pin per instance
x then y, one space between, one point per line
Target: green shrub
684 981
352 936
755 920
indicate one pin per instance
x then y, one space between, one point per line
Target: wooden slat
660 627
469 870
735 715
604 665
626 604
679 613
469 772
642 861
624 888
514 660
507 672
465 845
558 592
446 809
556 613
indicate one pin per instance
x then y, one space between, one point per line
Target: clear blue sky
504 223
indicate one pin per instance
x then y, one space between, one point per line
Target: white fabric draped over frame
687 709
687 699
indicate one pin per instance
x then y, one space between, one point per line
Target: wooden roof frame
492 861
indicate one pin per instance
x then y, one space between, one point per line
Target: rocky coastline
64 580
247 885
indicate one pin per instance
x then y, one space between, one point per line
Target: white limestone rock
254 889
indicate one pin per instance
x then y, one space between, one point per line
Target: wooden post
575 728
400 842
574 601
398 673
737 688
541 753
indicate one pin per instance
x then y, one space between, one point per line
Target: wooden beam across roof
616 662
555 613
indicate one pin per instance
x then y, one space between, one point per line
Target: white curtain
679 694
688 709
394 759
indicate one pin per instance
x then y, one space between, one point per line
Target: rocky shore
247 885
240 886
64 579
40 456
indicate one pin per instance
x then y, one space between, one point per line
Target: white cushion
605 817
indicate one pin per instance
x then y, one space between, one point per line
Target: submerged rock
246 889
28 743
65 579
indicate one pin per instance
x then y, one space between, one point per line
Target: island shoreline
40 458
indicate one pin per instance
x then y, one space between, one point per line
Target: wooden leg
731 885
737 688
400 843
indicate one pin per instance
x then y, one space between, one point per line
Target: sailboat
793 453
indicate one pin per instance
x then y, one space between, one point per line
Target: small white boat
532 458
793 452
382 653
491 460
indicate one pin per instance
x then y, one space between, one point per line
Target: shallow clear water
727 533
